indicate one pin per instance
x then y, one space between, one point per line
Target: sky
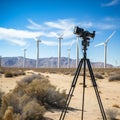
22 22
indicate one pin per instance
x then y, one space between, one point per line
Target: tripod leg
84 85
62 116
96 90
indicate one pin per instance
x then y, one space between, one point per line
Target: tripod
83 62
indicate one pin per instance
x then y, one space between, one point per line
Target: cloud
86 24
105 26
49 43
107 23
109 19
51 28
69 43
19 42
18 37
111 3
53 43
63 24
33 25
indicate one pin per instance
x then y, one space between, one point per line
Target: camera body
84 34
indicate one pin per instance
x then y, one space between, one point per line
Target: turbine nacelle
59 36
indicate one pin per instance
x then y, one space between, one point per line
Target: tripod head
85 35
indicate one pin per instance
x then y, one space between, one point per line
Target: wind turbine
60 37
69 57
105 48
0 60
77 51
37 60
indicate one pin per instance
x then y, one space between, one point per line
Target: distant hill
45 62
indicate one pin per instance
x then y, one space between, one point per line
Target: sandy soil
109 92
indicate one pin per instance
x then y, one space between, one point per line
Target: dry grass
29 79
11 72
116 106
8 74
112 114
102 71
98 76
31 98
33 111
1 94
115 77
14 73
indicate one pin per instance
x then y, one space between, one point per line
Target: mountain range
44 62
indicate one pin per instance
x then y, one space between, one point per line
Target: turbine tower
105 48
24 59
59 50
0 61
37 61
77 51
69 57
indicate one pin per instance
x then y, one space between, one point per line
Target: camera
84 34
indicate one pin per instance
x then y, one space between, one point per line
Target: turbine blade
37 38
58 35
107 40
99 44
61 34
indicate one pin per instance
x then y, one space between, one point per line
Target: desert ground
109 92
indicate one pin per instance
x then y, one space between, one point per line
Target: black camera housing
84 34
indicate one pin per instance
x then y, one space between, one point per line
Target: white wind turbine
69 57
0 60
105 48
38 41
60 37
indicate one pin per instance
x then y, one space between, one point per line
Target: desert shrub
24 100
9 114
18 73
46 93
114 77
11 73
32 97
29 79
33 111
8 74
19 90
55 98
112 114
72 73
67 73
2 71
1 94
99 76
10 100
117 106
18 116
